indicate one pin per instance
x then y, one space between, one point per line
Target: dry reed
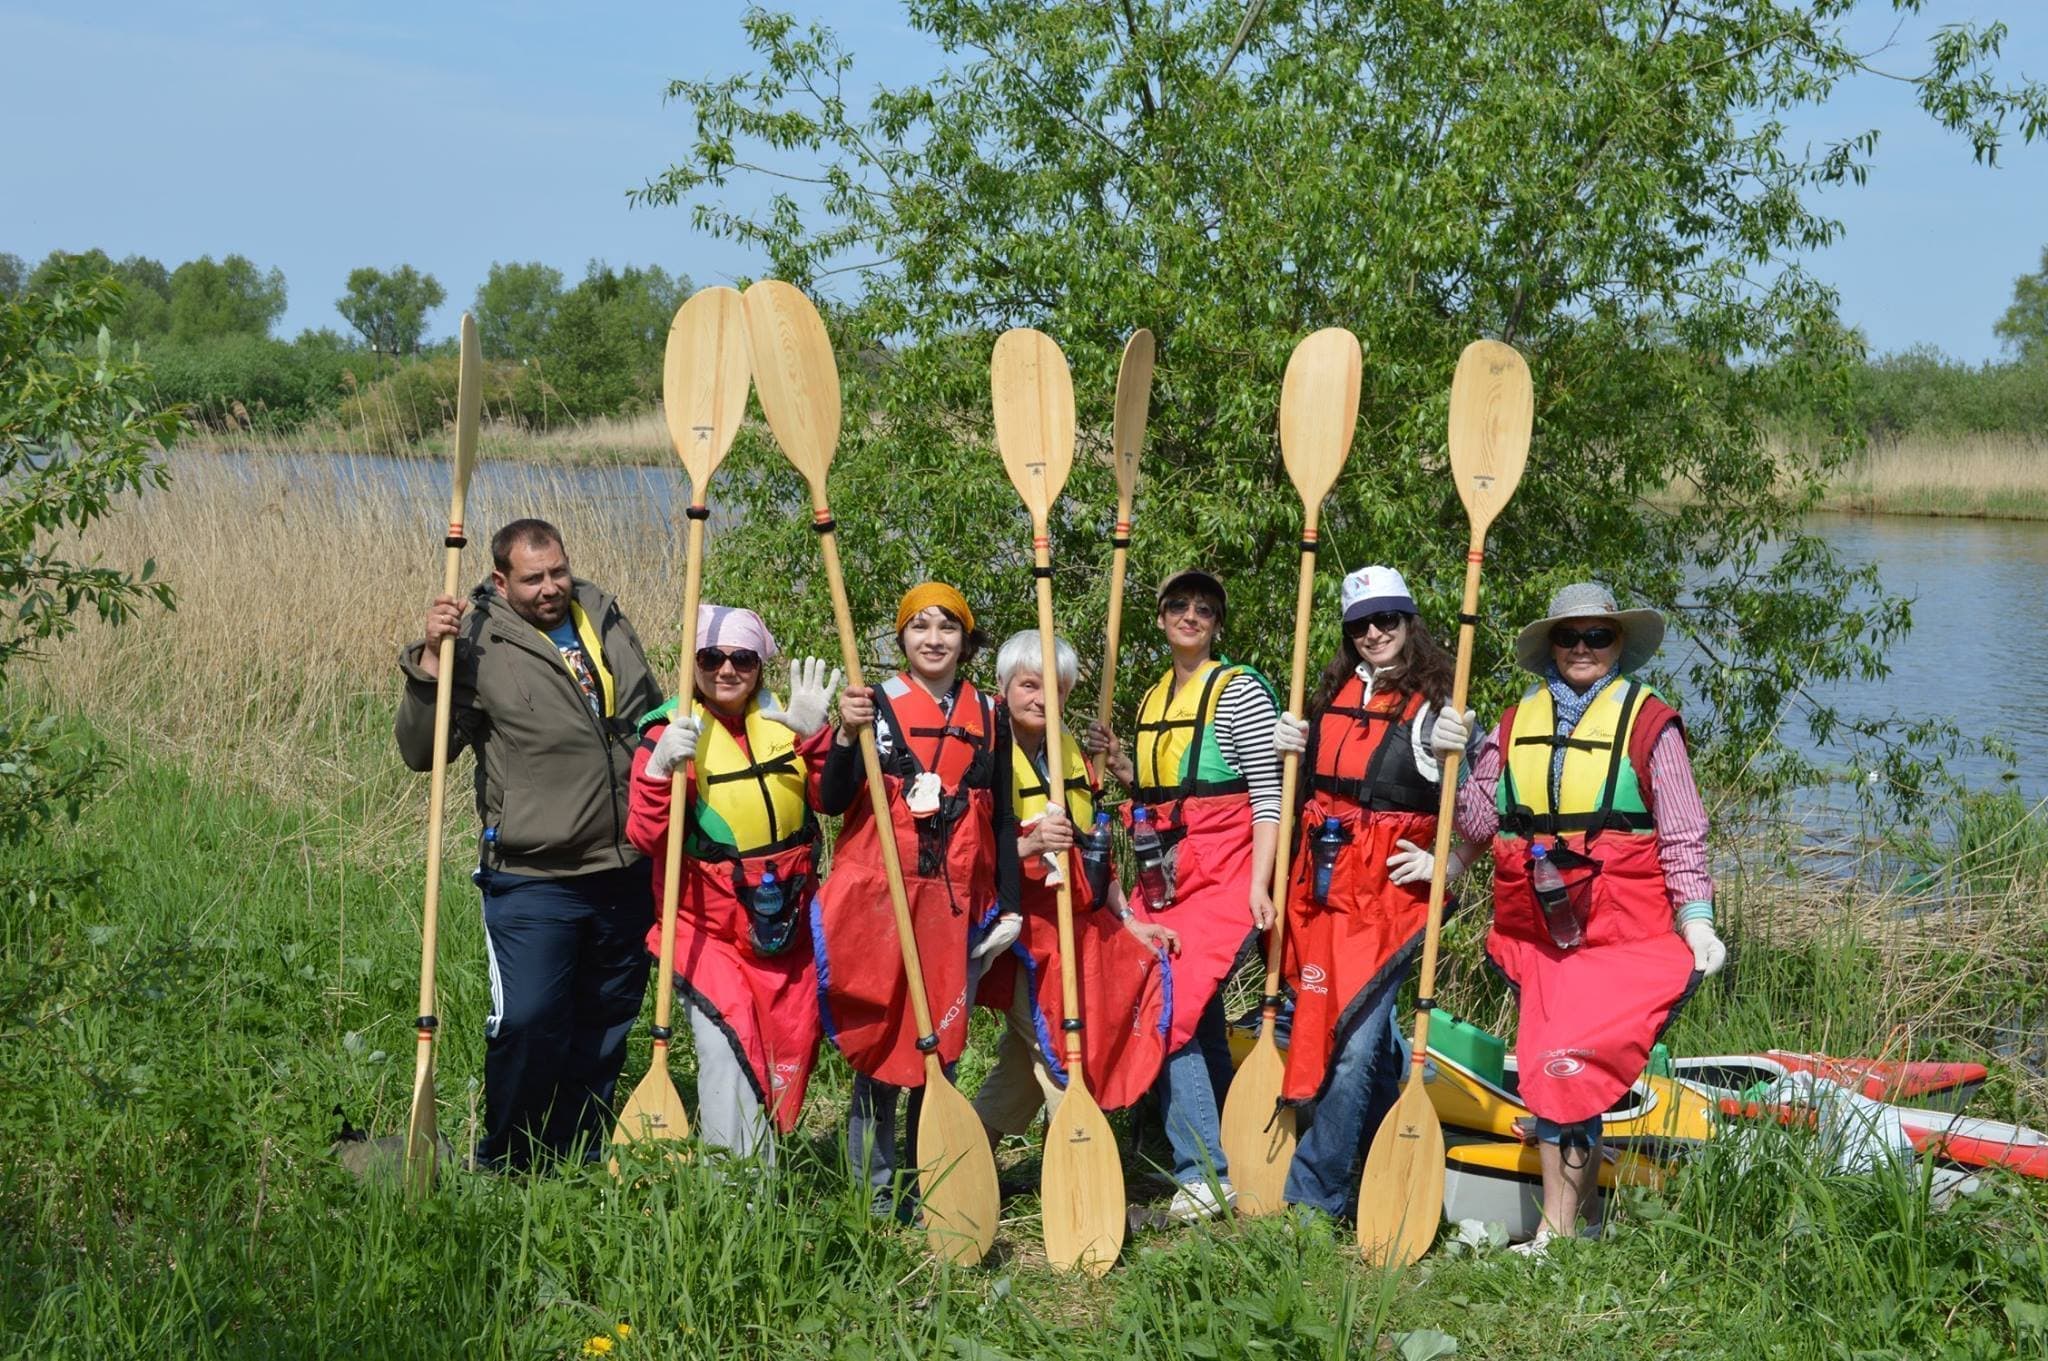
1997 476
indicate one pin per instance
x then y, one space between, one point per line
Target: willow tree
1608 186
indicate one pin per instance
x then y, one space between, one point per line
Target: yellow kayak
1502 1183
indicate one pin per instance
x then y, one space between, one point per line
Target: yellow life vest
748 806
1029 792
1599 786
1177 754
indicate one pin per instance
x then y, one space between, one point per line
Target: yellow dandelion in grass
624 1330
601 1345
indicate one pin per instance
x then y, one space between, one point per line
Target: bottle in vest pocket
1151 854
769 919
1329 839
1096 860
1566 931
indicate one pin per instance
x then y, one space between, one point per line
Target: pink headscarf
729 627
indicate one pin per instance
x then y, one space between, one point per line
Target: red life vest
1588 1015
1125 989
765 1005
1364 774
948 862
1205 817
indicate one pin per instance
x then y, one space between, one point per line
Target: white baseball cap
1370 590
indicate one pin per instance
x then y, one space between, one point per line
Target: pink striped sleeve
1478 812
1681 821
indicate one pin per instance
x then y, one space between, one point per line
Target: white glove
1708 953
809 695
1000 936
1290 734
1410 865
1452 732
677 745
923 794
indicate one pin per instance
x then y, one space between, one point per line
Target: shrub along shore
174 1045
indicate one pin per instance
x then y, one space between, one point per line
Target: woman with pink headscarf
743 962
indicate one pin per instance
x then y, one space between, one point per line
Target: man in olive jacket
550 684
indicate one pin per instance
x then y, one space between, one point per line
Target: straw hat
1642 631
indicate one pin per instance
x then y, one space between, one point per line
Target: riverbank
1997 477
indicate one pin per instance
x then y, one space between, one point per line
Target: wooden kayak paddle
1127 438
1401 1194
422 1130
1081 1181
798 382
1318 418
704 399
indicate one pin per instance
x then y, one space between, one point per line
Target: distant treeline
563 353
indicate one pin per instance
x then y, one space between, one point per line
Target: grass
1999 477
631 440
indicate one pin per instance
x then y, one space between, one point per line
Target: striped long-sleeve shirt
1244 733
1673 799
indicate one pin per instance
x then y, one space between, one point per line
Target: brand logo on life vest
1313 978
1563 1063
953 1012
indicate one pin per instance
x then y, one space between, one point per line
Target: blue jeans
1363 1085
1191 1088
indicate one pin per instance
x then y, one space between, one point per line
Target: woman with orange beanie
943 745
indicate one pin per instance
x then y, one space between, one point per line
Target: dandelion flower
601 1345
624 1330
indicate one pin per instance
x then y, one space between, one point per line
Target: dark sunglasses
1386 621
1600 636
743 659
1180 604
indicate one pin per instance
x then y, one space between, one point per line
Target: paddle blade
956 1174
1133 409
795 375
1493 409
704 380
1401 1195
1081 1186
1034 403
1258 1132
654 1112
1319 410
469 406
422 1131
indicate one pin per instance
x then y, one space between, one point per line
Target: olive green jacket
551 778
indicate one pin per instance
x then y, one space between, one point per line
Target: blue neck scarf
1570 707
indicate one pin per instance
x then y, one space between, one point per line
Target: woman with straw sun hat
945 753
1603 916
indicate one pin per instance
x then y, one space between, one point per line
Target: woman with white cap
1358 896
1603 910
743 961
1207 781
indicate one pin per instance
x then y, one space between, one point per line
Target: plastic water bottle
1151 853
1323 846
1554 899
770 926
1096 861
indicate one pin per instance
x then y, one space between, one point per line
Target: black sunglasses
1386 621
743 659
1180 604
1597 637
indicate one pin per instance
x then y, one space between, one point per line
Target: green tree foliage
13 275
145 309
1609 187
231 297
78 427
514 307
602 351
2024 327
390 310
248 382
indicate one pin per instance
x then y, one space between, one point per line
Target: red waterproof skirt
1211 907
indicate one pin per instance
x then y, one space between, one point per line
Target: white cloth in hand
1708 953
1290 734
1453 732
810 693
1000 936
677 745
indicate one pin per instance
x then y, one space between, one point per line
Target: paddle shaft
1056 788
878 792
678 782
1290 770
1120 548
1447 801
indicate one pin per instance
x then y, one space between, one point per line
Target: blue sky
446 136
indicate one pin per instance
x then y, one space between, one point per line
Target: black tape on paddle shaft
1119 541
1425 1004
428 1023
927 1044
661 1032
1471 619
1044 573
455 541
1272 1001
1308 546
698 512
1072 1026
825 526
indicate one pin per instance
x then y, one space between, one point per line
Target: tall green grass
173 1048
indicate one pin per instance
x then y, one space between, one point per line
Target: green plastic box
1469 1047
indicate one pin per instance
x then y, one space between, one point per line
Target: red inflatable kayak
1924 1082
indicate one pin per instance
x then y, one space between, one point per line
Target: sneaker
1198 1200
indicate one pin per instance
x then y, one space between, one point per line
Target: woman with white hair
1121 962
1603 910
